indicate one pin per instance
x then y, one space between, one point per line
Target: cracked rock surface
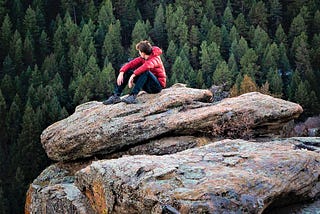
228 176
96 129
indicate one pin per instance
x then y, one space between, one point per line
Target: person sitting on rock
145 72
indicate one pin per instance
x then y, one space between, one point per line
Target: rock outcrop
96 129
228 176
162 155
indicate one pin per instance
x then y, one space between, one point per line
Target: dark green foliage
55 55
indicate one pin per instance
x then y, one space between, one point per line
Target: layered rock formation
162 156
98 129
228 176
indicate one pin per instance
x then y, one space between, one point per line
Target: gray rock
230 176
97 129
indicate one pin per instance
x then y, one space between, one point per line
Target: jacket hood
156 51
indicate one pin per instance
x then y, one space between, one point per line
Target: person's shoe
112 100
131 99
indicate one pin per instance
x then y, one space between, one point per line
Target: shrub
233 125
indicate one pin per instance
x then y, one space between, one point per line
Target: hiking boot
112 100
131 99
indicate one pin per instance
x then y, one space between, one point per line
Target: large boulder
228 176
96 129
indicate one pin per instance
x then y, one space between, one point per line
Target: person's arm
133 64
130 83
120 78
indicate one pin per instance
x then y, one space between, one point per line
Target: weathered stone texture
96 129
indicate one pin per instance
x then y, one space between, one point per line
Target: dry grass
234 126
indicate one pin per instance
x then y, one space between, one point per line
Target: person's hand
120 78
130 84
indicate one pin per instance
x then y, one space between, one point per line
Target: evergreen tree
43 47
249 64
234 35
303 61
209 11
86 38
214 35
316 23
13 120
222 75
16 13
270 59
225 42
293 85
59 42
91 11
315 51
238 49
83 92
186 70
305 13
3 198
28 50
129 15
30 24
280 36
194 58
176 25
284 64
57 86
205 25
275 81
39 10
79 62
8 88
30 154
301 95
260 41
176 69
139 32
209 58
3 11
297 27
233 67
112 48
275 14
170 56
49 68
8 67
242 25
258 15
19 186
3 131
72 31
194 36
105 18
16 52
5 36
105 82
158 33
227 19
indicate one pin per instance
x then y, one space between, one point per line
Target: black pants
146 81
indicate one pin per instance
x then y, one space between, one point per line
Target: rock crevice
162 156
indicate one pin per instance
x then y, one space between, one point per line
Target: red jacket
153 64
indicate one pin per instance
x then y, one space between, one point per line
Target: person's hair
145 47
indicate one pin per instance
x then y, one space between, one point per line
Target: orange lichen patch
202 141
27 206
96 196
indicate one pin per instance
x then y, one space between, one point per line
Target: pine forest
57 54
